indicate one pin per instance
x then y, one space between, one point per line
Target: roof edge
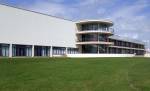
98 20
4 4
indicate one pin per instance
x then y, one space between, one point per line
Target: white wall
98 55
147 55
23 27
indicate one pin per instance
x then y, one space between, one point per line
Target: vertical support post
98 49
32 50
66 51
98 37
10 50
98 27
51 51
107 50
79 48
97 45
43 50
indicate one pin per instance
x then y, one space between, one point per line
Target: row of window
94 49
125 51
41 51
21 50
26 50
126 44
62 51
4 50
93 37
103 49
95 26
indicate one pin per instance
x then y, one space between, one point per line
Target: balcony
94 42
110 31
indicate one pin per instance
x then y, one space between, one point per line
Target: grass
64 74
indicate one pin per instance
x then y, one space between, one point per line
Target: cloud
94 2
81 9
130 35
131 20
55 9
101 11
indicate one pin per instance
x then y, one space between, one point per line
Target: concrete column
10 50
107 50
98 45
98 37
51 51
97 49
80 48
43 50
66 51
32 50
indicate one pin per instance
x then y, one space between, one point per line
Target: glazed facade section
92 37
4 50
95 37
17 50
95 27
125 47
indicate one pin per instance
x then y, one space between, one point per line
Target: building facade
97 36
27 33
30 34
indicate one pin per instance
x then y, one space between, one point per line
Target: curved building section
97 36
92 36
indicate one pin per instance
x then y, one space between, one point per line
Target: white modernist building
29 33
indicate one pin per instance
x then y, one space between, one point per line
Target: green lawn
64 74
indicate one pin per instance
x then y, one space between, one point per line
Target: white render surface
98 55
24 27
147 55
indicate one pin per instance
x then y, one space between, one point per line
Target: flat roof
110 23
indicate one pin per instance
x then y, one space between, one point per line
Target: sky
130 17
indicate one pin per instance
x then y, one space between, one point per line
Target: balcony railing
94 42
107 30
83 40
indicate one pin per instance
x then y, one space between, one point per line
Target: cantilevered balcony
109 31
93 39
94 42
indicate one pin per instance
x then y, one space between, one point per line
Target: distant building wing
116 37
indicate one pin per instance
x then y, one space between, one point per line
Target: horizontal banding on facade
110 23
94 42
90 32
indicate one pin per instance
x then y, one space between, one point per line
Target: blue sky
131 17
